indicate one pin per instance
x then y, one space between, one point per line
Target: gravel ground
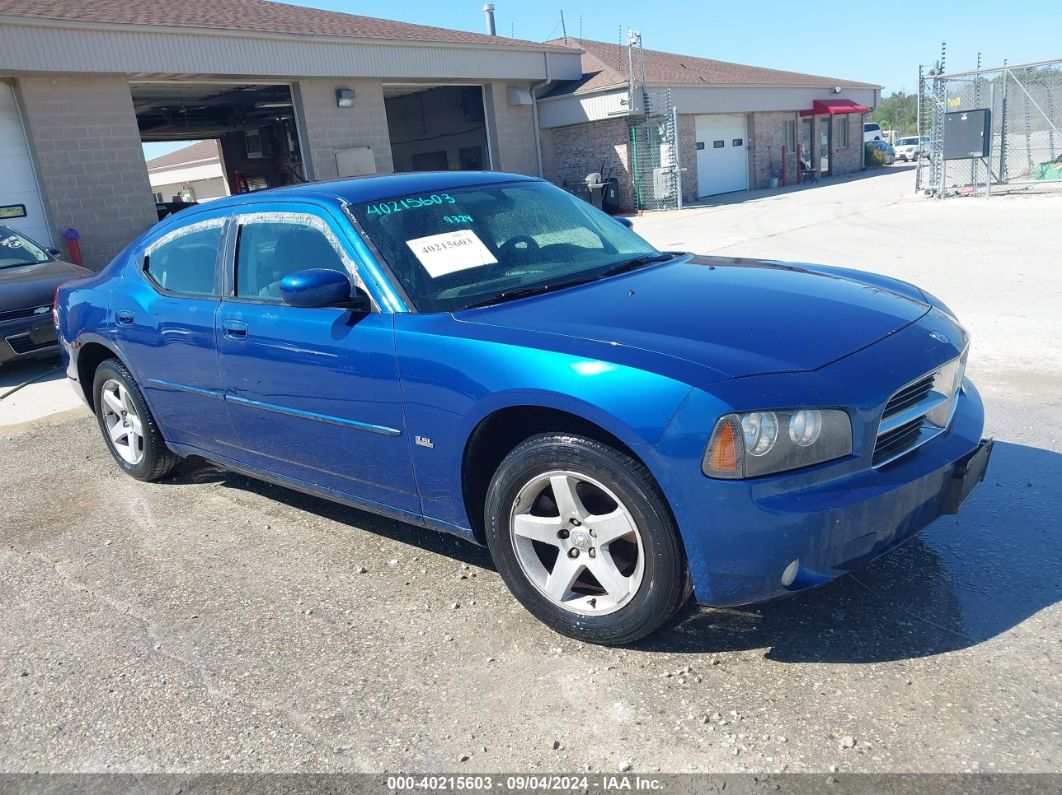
214 623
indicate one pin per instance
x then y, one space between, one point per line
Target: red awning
831 107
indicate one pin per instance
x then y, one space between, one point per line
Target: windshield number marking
410 203
457 219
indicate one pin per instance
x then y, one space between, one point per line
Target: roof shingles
245 15
202 150
606 65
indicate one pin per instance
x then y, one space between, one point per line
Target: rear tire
129 430
584 539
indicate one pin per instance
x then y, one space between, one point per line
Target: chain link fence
1025 145
654 154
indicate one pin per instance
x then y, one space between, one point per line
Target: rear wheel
131 433
584 540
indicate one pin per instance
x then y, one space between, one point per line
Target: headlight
805 427
946 383
764 442
760 431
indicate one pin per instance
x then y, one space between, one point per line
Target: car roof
364 189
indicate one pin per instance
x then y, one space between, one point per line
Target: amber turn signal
722 457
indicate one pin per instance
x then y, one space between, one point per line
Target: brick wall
513 132
687 139
85 140
326 128
849 159
580 149
766 136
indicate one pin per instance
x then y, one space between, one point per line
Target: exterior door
807 142
722 154
18 185
313 393
165 324
825 144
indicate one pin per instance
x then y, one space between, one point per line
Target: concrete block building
193 174
733 120
288 93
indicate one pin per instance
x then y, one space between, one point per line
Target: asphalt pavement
215 623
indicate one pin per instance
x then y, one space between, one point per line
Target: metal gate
1025 145
654 155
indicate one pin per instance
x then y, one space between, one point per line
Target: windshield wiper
637 262
525 292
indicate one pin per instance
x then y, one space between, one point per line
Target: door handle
235 329
124 317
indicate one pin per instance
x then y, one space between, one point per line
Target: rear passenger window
268 251
185 260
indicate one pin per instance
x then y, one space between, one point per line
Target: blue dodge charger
484 354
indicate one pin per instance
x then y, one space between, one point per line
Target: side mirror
622 219
316 287
54 252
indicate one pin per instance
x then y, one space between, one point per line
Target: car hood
738 317
24 286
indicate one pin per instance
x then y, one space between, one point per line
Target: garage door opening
21 206
437 128
241 138
722 154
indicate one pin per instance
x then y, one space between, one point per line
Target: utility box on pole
967 133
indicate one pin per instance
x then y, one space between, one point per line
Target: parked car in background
871 131
910 148
487 355
886 149
169 208
29 274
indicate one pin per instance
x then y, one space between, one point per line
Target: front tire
584 539
131 433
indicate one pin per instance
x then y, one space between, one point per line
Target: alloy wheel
122 422
577 543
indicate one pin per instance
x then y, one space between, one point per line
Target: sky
873 42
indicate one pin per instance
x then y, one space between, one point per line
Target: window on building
269 251
842 135
185 262
789 135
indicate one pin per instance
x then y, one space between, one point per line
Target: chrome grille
909 396
897 441
29 311
918 412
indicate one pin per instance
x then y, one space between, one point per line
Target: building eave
112 27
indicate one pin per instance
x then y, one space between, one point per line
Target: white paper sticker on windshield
451 252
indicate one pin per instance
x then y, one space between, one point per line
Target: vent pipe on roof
488 12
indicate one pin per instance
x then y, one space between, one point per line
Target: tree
899 112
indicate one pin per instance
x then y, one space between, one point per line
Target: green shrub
875 157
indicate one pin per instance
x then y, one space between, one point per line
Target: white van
871 131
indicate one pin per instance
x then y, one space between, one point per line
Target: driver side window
269 250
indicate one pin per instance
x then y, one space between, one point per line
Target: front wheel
584 540
131 433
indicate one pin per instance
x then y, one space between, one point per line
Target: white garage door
722 154
18 185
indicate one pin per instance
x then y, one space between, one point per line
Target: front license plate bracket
967 474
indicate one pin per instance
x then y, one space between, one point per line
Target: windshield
478 245
15 250
907 142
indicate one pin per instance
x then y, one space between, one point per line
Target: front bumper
741 536
26 338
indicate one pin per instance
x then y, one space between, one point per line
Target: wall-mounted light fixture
345 97
837 89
